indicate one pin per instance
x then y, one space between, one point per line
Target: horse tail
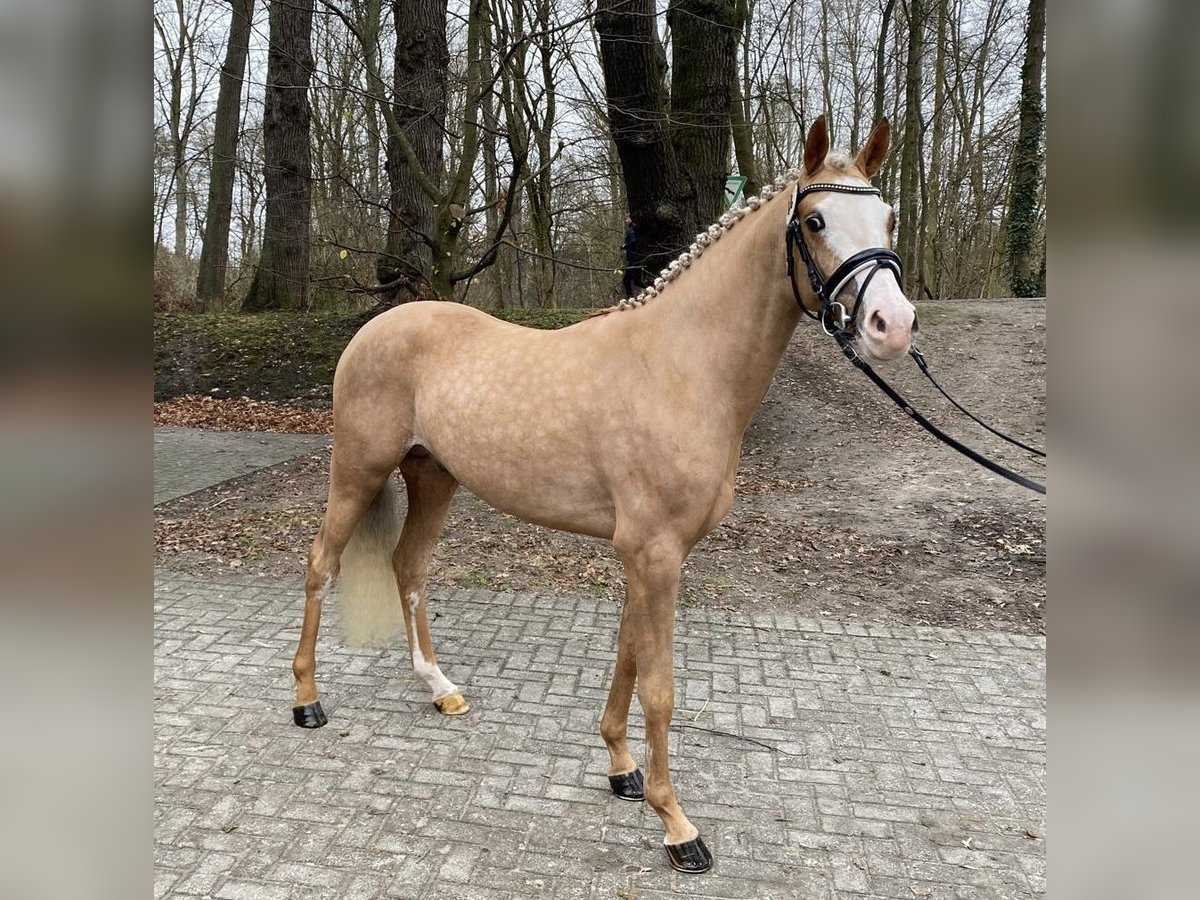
370 600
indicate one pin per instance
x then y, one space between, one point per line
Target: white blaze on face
857 222
428 672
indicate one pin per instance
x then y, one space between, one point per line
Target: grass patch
542 318
265 356
275 355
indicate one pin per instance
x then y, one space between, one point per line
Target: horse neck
727 319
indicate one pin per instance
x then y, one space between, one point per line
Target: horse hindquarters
378 563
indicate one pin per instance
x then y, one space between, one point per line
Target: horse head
844 229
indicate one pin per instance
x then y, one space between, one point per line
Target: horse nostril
916 326
878 323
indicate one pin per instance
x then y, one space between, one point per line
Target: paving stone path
819 759
190 459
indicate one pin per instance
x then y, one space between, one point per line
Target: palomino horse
626 426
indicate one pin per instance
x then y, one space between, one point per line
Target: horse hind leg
430 490
358 495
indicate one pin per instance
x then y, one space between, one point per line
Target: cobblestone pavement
818 759
189 459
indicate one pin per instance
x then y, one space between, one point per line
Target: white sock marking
323 590
428 672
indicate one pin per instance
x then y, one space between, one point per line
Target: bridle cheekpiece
834 318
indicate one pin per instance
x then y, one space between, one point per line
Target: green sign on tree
734 185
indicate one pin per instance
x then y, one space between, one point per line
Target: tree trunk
827 77
281 280
452 210
886 179
491 168
1024 270
179 49
369 26
932 215
881 59
549 279
704 66
181 198
854 50
419 109
661 200
251 187
516 132
909 212
540 220
214 254
540 193
539 187
739 109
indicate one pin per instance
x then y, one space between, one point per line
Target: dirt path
845 508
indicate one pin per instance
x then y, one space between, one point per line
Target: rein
840 324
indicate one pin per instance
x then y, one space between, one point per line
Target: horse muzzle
886 326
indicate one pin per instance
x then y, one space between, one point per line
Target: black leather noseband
833 315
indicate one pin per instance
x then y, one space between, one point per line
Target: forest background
347 155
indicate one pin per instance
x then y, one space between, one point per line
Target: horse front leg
653 572
624 777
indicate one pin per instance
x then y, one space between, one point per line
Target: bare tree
1025 278
415 151
505 293
545 124
181 81
214 254
910 161
635 70
739 103
703 68
248 191
932 201
529 97
674 149
881 61
428 198
281 279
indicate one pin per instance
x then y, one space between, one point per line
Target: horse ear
870 158
816 146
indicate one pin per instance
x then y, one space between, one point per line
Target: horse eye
814 222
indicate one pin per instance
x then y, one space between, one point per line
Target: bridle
833 316
842 325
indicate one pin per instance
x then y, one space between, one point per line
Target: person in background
633 258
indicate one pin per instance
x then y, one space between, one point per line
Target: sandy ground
845 508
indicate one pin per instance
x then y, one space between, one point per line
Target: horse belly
524 449
552 502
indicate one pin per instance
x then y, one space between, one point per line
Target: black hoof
629 786
690 856
310 715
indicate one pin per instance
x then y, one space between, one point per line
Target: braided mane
712 234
